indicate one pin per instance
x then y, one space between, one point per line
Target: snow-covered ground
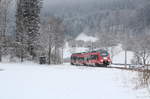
33 81
119 55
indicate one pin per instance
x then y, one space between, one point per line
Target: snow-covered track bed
1 69
128 67
121 67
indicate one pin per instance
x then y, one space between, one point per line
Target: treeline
31 37
90 15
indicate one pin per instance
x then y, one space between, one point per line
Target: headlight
105 58
101 60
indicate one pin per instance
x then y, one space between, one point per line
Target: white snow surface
120 57
33 81
86 38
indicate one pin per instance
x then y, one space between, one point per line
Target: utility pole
125 58
62 54
0 53
91 45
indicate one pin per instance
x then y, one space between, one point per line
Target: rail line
123 67
129 68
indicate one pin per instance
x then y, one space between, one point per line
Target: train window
81 59
94 57
74 58
88 58
85 58
104 53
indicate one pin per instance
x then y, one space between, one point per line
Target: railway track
130 68
123 67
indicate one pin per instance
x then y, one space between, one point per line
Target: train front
104 58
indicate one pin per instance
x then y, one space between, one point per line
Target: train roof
95 51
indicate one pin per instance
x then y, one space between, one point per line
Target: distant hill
91 16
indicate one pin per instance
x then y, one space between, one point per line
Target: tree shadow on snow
1 69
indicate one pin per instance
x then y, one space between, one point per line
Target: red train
94 58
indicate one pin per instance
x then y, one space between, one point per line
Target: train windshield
104 53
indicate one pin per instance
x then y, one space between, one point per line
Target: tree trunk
62 56
144 59
55 60
126 58
49 55
0 54
21 56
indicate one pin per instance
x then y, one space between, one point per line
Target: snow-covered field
33 81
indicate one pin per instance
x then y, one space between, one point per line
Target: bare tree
47 41
52 37
141 48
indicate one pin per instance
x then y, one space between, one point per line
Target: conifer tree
27 26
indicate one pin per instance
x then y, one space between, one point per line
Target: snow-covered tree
4 7
52 39
27 26
141 48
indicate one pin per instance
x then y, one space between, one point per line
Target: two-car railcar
93 58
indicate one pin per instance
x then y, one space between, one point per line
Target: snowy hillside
31 81
86 38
